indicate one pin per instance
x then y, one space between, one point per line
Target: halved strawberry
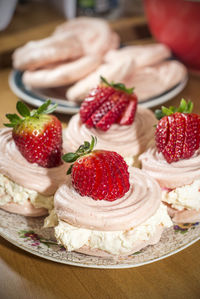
99 174
178 132
37 134
109 103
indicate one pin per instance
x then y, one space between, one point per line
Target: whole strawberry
98 174
178 132
37 134
109 103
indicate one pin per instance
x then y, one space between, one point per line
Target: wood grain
25 276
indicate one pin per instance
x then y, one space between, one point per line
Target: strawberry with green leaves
178 132
100 174
37 134
107 104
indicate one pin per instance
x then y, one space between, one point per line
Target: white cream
12 192
186 197
114 242
51 220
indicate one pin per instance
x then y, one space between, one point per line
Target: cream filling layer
114 242
186 197
12 192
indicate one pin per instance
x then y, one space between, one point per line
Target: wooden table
24 276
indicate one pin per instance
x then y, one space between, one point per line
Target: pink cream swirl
136 206
173 175
127 140
31 176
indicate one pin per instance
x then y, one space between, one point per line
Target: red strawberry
37 134
99 174
109 103
178 132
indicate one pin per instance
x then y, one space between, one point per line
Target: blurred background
24 20
174 22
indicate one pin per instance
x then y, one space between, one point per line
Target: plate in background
37 97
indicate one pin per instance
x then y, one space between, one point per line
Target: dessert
31 168
174 161
74 50
109 113
59 74
149 81
106 208
144 55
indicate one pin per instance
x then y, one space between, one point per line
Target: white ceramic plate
37 97
28 234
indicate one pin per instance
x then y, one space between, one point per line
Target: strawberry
99 174
37 135
178 132
107 104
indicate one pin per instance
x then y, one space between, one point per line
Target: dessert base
25 210
183 216
28 234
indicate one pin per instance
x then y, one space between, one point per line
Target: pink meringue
128 141
175 176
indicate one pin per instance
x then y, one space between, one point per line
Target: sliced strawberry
169 151
178 133
111 117
99 111
191 142
98 174
128 116
95 99
162 133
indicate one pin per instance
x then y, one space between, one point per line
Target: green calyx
83 150
118 86
184 107
25 113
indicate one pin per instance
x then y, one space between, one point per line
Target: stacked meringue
81 50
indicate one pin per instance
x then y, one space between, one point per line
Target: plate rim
116 266
66 109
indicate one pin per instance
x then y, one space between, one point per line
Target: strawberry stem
184 107
24 111
119 86
83 150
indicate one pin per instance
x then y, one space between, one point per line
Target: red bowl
176 23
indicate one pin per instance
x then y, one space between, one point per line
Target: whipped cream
114 242
174 175
186 197
29 175
11 192
51 220
128 141
136 206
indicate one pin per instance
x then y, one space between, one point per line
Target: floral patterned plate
28 234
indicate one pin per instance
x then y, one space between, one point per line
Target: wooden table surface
26 276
